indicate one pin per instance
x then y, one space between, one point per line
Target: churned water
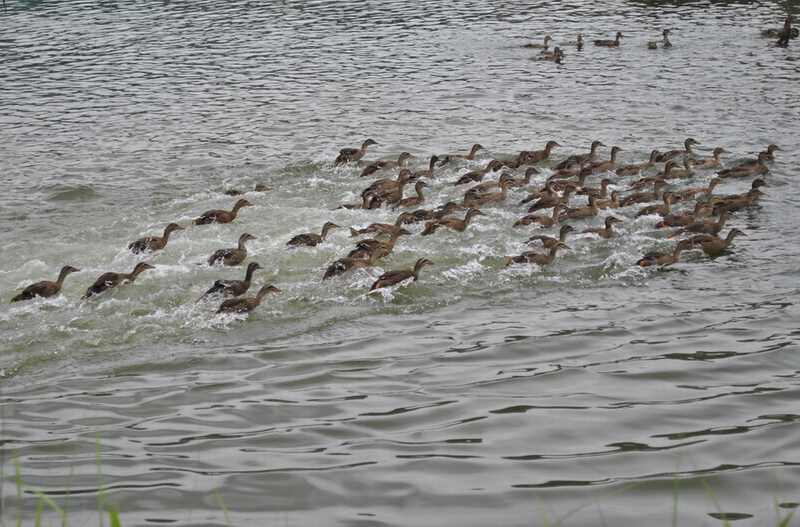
586 392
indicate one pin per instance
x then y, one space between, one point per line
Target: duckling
382 228
609 43
544 45
154 243
427 173
746 170
244 305
544 221
352 154
412 201
663 259
548 241
629 170
671 154
705 226
311 239
711 244
478 175
109 280
390 278
661 209
452 222
711 163
785 32
687 193
604 166
237 192
534 257
221 216
450 158
680 220
529 157
45 288
665 43
233 255
732 205
385 165
604 232
344 265
644 197
365 247
228 288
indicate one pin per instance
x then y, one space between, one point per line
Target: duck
244 305
688 193
352 154
519 182
228 288
469 157
153 243
367 198
344 265
785 33
602 191
662 176
608 165
452 222
238 192
711 244
562 184
529 157
584 212
756 184
557 55
732 205
685 218
109 280
671 154
546 203
390 278
544 221
705 226
233 255
771 149
548 191
311 239
390 196
478 175
665 43
427 173
45 288
382 228
703 164
428 215
604 232
387 184
609 43
535 257
386 165
658 258
491 185
365 247
548 241
577 42
544 45
746 170
221 216
644 197
685 172
662 209
477 199
630 170
611 203
412 201
577 159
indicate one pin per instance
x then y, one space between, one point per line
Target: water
581 392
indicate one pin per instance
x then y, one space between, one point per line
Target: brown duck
609 164
703 164
529 157
746 170
630 170
732 205
429 215
478 175
711 244
546 203
412 201
344 265
603 232
661 258
450 158
244 305
364 248
671 154
228 288
45 288
543 45
109 280
662 209
390 278
548 241
233 255
544 221
382 228
353 154
685 218
221 216
609 43
154 243
689 193
535 257
705 226
644 197
311 239
476 199
584 212
427 173
577 159
452 222
237 192
385 165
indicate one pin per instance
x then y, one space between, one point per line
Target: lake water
586 392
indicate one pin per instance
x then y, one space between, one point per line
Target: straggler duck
452 222
233 255
603 166
311 239
680 220
746 170
154 243
687 193
609 43
577 159
630 170
365 248
732 205
662 259
450 158
534 257
382 228
665 43
785 32
705 226
45 288
710 244
544 221
529 157
109 280
352 154
548 241
711 163
221 216
543 45
662 209
228 288
385 165
390 278
244 305
237 192
603 232
671 154
478 175
412 201
345 265
427 173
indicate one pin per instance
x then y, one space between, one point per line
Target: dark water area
588 391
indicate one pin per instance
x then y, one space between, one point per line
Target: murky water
583 392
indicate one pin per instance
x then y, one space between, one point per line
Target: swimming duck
154 243
478 175
662 209
427 173
365 248
344 265
109 280
233 255
476 198
671 154
629 170
665 43
228 288
680 220
603 166
602 191
584 212
412 201
450 158
705 226
534 257
556 55
785 32
452 222
546 203
612 203
382 228
548 191
746 170
609 43
221 216
578 42
385 165
603 232
644 197
529 157
732 205
352 154
544 221
752 162
662 176
688 193
757 183
548 241
562 184
390 278
577 159
663 259
428 215
685 172
711 163
391 196
711 244
237 192
311 239
367 197
45 288
244 305
543 45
